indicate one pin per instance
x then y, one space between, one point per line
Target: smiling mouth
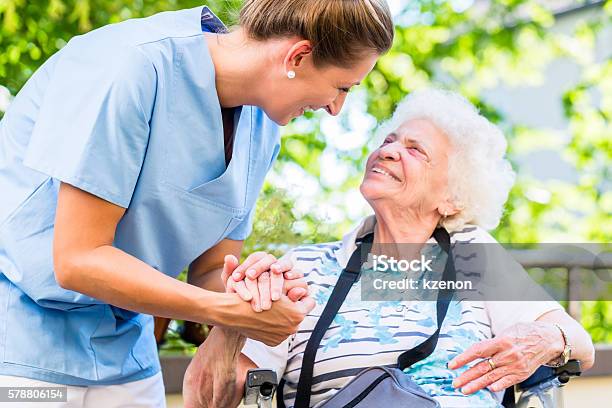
378 170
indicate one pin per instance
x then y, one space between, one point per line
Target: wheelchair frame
542 387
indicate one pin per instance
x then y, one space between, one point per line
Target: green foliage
276 229
174 344
31 31
596 319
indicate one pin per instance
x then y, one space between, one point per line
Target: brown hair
340 30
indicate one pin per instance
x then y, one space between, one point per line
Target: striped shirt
373 333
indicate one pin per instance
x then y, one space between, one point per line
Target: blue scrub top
130 113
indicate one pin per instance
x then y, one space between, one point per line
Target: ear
448 208
296 54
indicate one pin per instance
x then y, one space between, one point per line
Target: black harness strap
347 278
424 350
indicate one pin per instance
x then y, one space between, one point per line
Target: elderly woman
441 164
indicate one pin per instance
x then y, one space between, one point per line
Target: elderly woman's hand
509 358
272 278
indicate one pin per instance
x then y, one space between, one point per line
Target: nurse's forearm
86 261
115 277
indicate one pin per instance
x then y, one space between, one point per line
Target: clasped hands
211 378
262 279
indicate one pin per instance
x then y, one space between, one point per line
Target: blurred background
540 69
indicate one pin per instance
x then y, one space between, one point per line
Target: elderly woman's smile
379 169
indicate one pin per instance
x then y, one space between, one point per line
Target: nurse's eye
345 90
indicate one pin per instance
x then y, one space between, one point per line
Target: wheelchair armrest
259 387
542 374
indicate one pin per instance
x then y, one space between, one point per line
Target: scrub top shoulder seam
173 37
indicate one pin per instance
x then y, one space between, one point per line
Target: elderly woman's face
409 169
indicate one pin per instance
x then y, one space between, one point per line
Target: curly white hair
480 177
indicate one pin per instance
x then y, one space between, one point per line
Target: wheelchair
541 390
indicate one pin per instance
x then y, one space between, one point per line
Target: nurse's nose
335 107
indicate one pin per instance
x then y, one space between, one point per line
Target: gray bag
387 387
381 387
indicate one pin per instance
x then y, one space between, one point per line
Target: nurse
138 149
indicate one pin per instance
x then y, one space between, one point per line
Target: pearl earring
291 74
445 214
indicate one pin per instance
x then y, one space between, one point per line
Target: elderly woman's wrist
230 344
231 338
557 342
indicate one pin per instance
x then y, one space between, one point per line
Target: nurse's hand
257 263
270 326
269 285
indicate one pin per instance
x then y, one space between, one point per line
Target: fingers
230 263
252 287
260 266
295 283
254 265
483 349
281 266
484 380
505 382
296 294
476 375
277 281
296 288
496 380
263 284
294 274
277 270
510 364
241 289
306 305
240 272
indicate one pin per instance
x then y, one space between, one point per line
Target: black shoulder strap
424 350
509 400
347 278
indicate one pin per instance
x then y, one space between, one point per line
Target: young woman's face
315 88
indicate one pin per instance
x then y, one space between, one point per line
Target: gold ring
491 363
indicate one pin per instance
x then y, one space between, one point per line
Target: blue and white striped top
373 333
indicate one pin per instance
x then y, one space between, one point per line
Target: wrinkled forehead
419 130
422 129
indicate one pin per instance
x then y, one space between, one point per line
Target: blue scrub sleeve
244 229
92 129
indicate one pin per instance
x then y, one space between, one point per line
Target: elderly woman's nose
390 151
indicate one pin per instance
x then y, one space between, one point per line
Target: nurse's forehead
349 77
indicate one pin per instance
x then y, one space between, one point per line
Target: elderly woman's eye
418 151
